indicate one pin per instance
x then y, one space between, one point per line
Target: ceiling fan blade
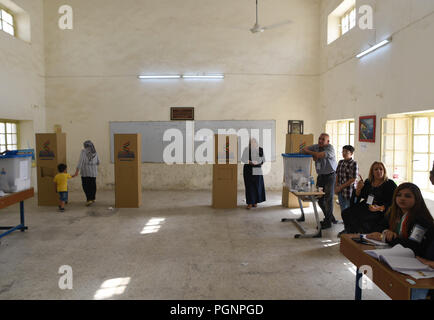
276 25
257 28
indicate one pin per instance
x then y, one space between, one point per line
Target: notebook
401 259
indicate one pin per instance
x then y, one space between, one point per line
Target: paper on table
378 243
419 274
400 259
405 263
397 250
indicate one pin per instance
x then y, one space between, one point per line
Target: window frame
17 123
335 133
14 25
347 14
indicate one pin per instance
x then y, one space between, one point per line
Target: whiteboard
152 133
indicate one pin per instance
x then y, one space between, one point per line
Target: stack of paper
402 260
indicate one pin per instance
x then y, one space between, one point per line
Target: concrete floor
174 247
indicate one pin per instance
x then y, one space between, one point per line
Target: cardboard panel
50 151
226 149
225 171
224 188
128 182
296 142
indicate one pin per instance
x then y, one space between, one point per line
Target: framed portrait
295 126
367 128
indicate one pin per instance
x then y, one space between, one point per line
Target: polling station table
312 197
396 285
11 199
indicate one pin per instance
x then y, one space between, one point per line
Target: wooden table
393 283
307 196
11 199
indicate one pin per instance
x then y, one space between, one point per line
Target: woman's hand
375 236
338 189
375 208
427 262
389 235
359 186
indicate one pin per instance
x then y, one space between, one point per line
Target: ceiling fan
258 28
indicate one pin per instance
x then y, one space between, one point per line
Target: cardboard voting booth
128 181
50 152
225 172
294 144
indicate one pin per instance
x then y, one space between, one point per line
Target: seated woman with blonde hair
369 202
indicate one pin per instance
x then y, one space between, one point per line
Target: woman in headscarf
253 159
88 167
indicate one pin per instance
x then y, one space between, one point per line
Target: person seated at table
410 224
370 201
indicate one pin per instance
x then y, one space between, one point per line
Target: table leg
22 216
318 222
358 289
302 218
318 233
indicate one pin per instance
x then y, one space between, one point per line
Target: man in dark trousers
324 156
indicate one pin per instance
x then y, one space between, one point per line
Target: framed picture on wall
367 128
295 126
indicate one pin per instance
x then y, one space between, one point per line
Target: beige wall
397 78
22 82
92 72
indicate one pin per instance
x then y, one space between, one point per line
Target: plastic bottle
312 184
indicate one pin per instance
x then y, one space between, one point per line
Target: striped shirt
88 168
345 171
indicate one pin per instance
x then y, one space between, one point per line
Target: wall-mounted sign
182 113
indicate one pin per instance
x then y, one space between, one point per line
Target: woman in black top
370 201
408 222
253 159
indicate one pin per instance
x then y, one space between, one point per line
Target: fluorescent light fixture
175 76
378 45
206 76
